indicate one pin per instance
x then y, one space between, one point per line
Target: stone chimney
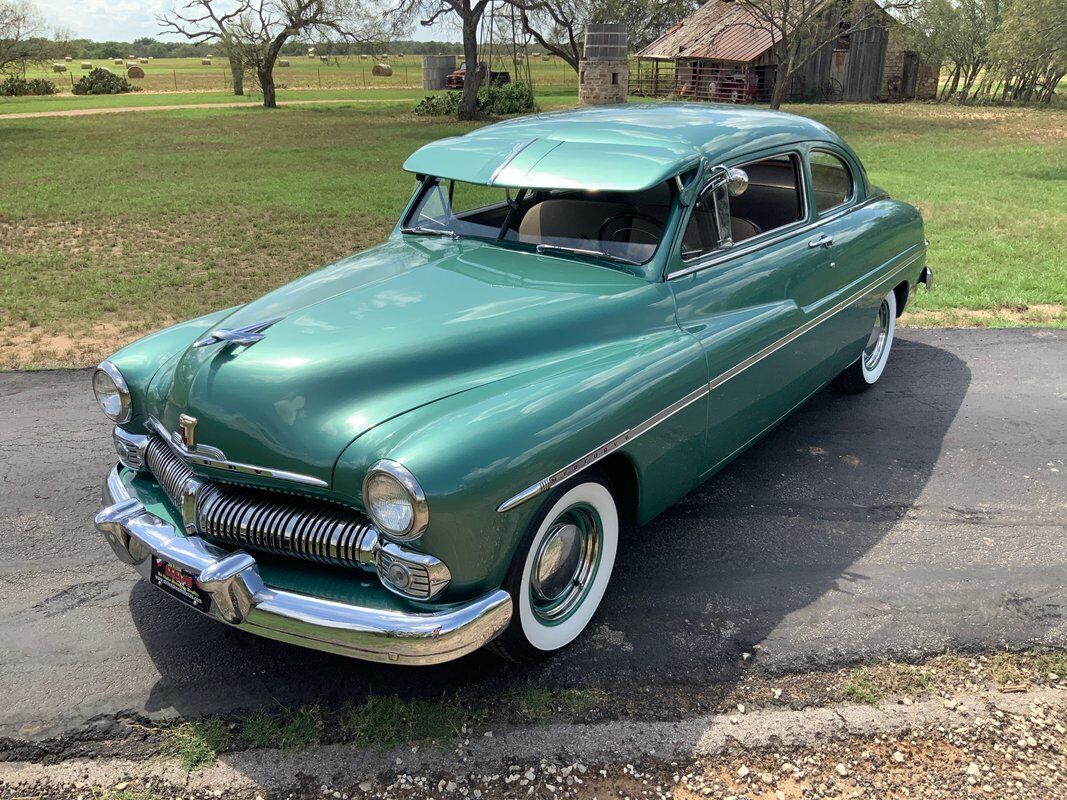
604 71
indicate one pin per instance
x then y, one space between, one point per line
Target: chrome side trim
213 458
240 597
631 433
604 450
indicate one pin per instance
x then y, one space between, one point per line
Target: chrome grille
169 470
268 521
310 529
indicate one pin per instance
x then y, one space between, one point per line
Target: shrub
20 87
103 81
493 101
511 98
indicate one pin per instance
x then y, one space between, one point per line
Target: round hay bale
324 58
87 65
116 60
205 62
59 68
143 60
135 72
283 62
363 56
132 58
382 71
68 59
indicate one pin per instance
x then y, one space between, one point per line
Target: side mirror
736 181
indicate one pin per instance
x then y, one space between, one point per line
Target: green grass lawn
189 75
113 225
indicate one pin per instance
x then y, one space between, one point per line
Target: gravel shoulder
965 734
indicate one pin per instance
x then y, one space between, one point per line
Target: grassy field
342 72
113 225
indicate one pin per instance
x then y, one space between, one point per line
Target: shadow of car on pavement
716 573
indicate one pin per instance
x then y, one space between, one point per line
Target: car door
739 300
842 237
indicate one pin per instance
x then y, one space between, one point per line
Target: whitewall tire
866 370
562 570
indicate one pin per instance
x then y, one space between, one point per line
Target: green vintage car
435 444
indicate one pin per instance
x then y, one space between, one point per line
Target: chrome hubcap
876 342
565 563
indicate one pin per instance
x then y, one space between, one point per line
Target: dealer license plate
179 583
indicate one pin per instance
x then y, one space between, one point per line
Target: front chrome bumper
239 596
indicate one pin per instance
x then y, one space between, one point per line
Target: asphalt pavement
929 513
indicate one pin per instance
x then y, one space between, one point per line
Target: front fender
472 451
142 359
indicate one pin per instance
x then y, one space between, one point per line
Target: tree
1028 52
253 32
558 26
957 31
203 21
469 16
801 28
22 40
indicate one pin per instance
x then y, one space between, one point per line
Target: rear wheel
562 569
866 370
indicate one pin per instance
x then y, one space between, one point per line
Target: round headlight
395 501
112 393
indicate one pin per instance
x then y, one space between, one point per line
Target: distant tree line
148 47
995 50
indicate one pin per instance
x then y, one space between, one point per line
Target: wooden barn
721 53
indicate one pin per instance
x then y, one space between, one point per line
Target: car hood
381 333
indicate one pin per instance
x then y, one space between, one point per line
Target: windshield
622 227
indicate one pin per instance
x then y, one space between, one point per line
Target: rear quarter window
831 181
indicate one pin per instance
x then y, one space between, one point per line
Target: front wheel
865 371
562 569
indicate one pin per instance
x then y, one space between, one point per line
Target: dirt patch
21 345
1011 315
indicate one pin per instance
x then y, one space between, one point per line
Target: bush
438 105
493 101
103 81
20 87
511 98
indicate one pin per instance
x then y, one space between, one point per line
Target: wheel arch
622 473
902 291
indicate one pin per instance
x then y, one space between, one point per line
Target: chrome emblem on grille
187 431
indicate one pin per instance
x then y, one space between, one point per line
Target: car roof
611 148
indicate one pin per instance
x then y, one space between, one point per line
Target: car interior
626 225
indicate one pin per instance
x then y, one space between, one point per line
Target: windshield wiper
559 248
421 231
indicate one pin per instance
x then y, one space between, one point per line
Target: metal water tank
605 41
435 69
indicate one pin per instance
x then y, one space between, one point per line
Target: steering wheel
635 216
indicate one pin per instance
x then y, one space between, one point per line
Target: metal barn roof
717 30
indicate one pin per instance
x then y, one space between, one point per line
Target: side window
772 198
701 234
831 181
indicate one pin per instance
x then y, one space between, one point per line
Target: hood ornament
246 336
187 431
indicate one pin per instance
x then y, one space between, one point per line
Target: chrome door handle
821 241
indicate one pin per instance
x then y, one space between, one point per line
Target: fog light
399 575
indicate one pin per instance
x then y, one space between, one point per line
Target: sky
126 20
